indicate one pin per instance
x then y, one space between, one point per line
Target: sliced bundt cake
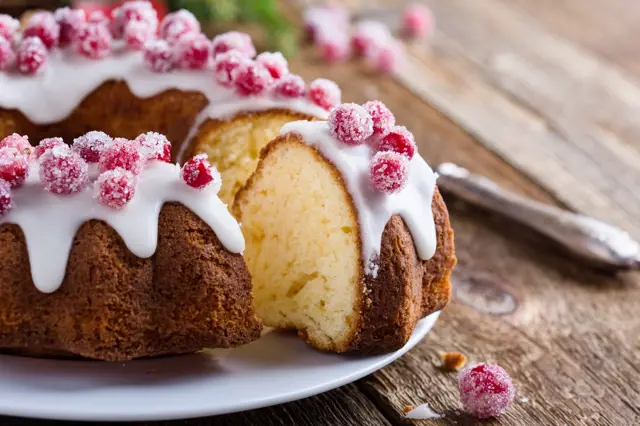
348 239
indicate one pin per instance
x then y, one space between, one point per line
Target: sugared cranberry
6 202
9 26
290 86
233 40
94 41
322 19
334 47
122 153
137 34
367 35
388 172
70 22
44 26
417 21
251 78
386 57
91 145
158 56
115 188
14 166
62 171
31 56
47 144
383 118
275 62
399 140
133 11
20 143
324 93
486 390
7 55
154 146
350 124
193 51
177 24
225 63
198 172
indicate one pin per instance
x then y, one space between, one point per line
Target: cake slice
352 268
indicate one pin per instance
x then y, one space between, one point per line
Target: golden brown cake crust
114 306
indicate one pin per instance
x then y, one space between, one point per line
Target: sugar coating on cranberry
399 140
122 153
14 166
44 26
367 35
158 56
350 124
115 188
389 172
154 146
9 26
290 86
199 173
383 118
6 197
251 78
322 19
387 57
417 21
91 145
94 41
177 24
137 34
133 11
192 51
18 142
486 390
334 46
70 22
98 17
31 56
225 63
324 93
233 40
7 55
47 144
275 62
62 171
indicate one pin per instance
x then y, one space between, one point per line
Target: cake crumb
452 361
407 408
422 412
523 399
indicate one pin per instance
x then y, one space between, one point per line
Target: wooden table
544 97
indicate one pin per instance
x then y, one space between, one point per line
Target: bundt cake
64 74
348 239
108 251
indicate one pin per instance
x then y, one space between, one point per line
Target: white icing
49 222
423 412
375 208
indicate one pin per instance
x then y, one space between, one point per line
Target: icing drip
375 208
49 222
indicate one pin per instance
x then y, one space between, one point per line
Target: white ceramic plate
275 369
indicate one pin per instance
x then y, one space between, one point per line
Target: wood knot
483 294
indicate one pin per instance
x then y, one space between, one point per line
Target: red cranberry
158 56
62 171
486 390
14 166
388 172
6 202
20 143
44 26
91 145
7 55
383 118
399 140
324 93
334 47
47 144
9 26
233 40
70 22
94 41
122 153
386 57
291 86
275 62
177 24
133 11
137 34
198 172
417 21
193 51
154 146
367 35
350 124
225 63
31 56
251 78
116 188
